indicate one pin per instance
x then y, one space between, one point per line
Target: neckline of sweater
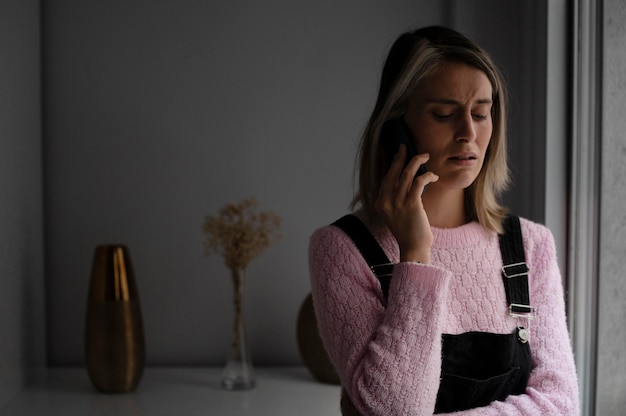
463 236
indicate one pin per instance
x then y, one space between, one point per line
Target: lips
464 156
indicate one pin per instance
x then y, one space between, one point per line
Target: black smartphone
393 133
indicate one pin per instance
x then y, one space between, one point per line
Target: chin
457 181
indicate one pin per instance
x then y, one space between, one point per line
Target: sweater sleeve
388 358
553 387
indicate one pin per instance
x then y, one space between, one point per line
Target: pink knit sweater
389 357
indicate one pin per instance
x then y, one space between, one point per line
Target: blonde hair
413 58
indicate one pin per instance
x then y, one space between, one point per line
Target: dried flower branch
239 233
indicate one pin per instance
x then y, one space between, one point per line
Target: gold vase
114 338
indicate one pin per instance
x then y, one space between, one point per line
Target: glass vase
238 373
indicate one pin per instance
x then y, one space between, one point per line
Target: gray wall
611 378
159 112
22 348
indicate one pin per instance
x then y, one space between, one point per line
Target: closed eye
442 116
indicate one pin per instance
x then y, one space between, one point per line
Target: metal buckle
382 270
531 311
522 271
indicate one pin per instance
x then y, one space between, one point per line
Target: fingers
408 181
420 182
400 187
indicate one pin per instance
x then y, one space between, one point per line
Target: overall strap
370 249
515 270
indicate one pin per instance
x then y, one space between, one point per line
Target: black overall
477 367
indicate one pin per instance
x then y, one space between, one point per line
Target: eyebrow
449 101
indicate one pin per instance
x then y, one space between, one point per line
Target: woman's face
450 119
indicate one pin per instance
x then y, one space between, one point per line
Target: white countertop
178 392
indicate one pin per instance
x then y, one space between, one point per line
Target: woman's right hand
400 204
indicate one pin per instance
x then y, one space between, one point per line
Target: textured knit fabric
388 352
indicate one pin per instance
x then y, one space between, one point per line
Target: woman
447 335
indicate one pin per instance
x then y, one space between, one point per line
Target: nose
465 129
